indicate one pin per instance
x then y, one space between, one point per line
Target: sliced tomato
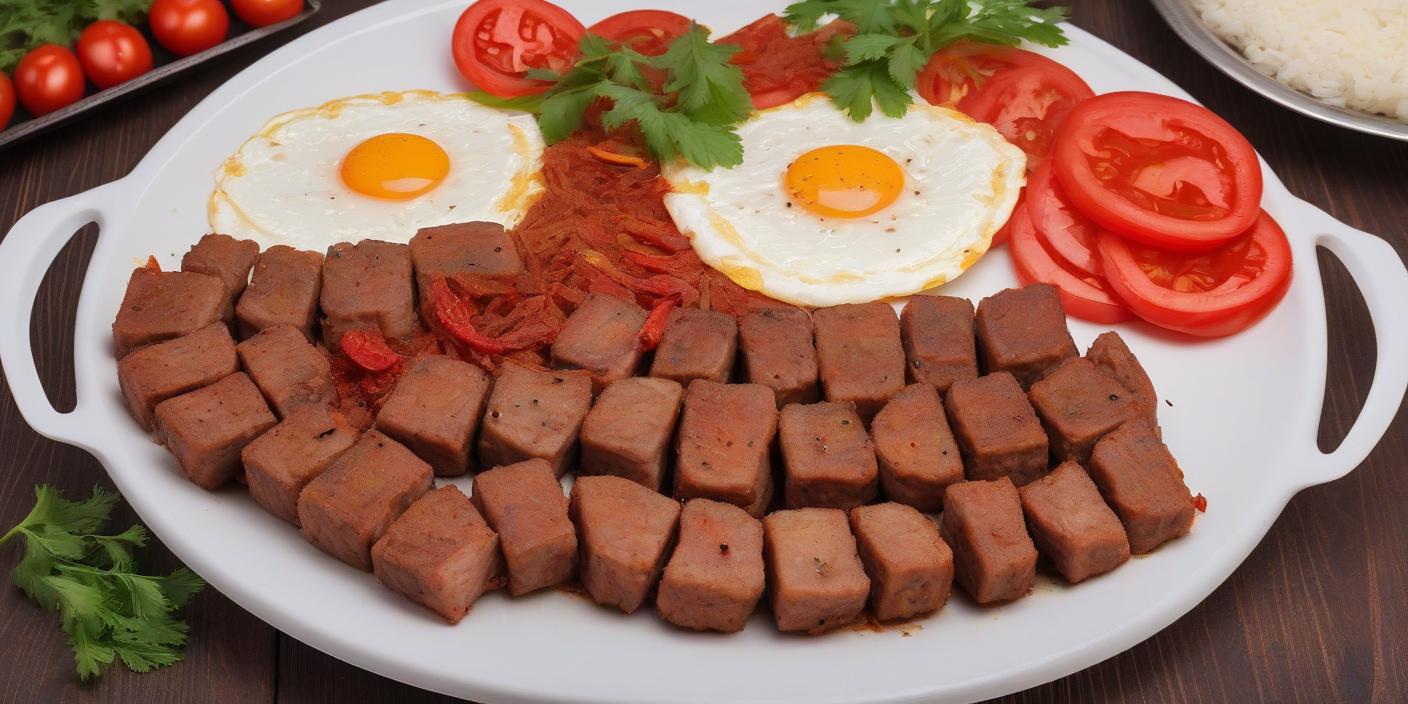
647 31
778 67
1158 170
965 66
496 41
1083 296
1068 234
1027 105
1210 294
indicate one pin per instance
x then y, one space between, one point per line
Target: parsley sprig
691 115
895 39
108 609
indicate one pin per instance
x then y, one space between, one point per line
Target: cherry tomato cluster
1137 205
109 52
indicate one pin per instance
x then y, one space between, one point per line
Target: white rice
1351 53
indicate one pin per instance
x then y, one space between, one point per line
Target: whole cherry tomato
7 100
48 78
261 13
187 27
113 52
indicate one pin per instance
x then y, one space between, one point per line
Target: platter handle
1383 282
25 256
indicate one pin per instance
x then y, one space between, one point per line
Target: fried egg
825 210
378 166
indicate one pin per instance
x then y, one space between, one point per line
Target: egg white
283 185
962 180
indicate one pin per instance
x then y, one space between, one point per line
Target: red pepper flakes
1200 502
152 264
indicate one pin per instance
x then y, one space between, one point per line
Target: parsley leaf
710 88
108 610
688 111
894 39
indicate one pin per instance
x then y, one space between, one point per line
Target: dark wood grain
1316 614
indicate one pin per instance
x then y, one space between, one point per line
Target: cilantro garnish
894 40
25 24
690 115
107 608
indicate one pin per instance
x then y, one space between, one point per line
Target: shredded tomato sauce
600 226
777 66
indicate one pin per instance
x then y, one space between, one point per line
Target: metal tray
242 34
1184 20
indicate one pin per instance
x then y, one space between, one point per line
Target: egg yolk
844 181
395 166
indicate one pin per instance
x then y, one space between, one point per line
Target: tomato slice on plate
496 41
1158 170
1067 233
964 66
1027 105
1210 294
1083 296
647 31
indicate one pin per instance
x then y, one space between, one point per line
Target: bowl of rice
1341 61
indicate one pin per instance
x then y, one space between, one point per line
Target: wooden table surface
1317 613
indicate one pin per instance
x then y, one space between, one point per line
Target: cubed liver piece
815 578
859 354
525 505
288 369
696 344
161 305
367 286
629 430
829 462
778 353
207 428
1078 403
724 446
279 463
916 450
624 531
1109 352
440 553
1023 331
909 565
1071 524
534 414
225 258
601 336
993 557
715 577
1143 484
158 372
464 252
996 428
284 290
435 410
937 332
347 508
